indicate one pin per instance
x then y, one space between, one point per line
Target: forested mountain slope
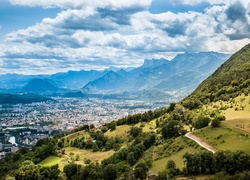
231 79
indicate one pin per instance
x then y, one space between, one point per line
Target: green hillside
229 81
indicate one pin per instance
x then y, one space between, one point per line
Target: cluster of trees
43 148
28 170
222 161
97 142
120 163
142 117
224 164
93 171
170 171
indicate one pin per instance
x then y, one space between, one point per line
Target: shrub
201 121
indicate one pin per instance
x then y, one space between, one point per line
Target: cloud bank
97 34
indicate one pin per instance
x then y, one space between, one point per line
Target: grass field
149 126
162 154
123 130
77 134
93 156
120 131
53 160
71 153
235 130
225 138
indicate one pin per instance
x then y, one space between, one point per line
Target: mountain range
179 76
161 78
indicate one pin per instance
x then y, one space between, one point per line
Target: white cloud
212 2
97 34
113 4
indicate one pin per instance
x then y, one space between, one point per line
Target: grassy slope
53 160
233 134
234 131
174 151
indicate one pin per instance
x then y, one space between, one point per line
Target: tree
95 147
193 163
163 175
170 129
140 173
71 170
171 167
28 170
171 164
131 158
110 172
92 172
112 125
215 123
201 121
135 131
50 172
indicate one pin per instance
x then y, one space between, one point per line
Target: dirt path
201 142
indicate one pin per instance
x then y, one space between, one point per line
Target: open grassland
79 155
171 151
225 138
119 131
53 160
242 124
123 130
77 134
235 130
149 126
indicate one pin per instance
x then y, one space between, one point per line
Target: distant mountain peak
112 68
154 62
109 81
40 85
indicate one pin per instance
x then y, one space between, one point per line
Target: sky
49 36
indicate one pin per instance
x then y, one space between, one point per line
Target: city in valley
25 124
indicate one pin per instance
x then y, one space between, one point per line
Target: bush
201 121
215 123
87 161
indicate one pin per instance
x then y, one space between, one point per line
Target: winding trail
201 142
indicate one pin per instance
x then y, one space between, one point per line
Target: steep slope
182 74
110 81
230 80
40 85
75 79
